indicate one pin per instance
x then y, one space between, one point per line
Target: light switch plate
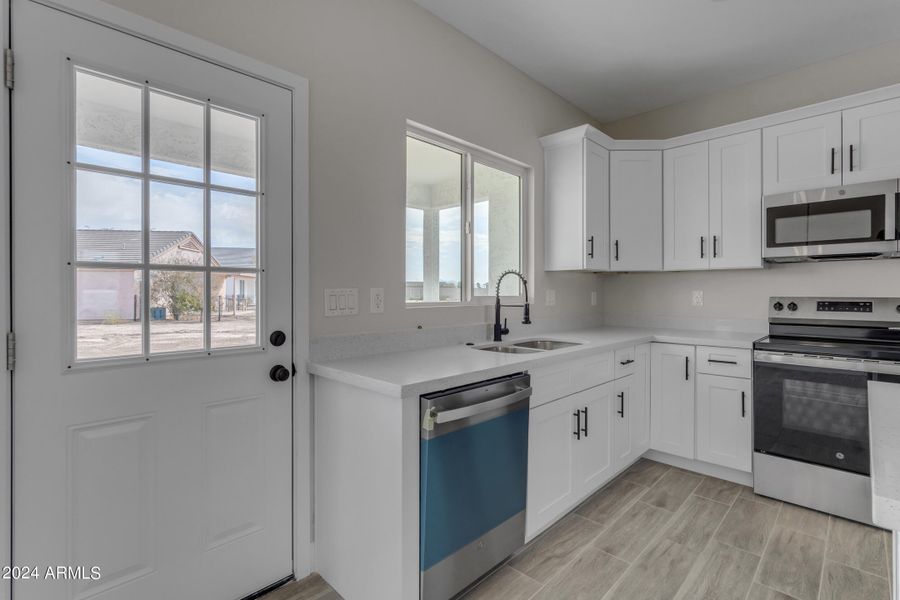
376 300
340 302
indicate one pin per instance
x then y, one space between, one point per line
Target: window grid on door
238 197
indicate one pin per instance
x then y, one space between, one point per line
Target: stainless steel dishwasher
473 468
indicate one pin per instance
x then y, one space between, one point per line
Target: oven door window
819 416
848 220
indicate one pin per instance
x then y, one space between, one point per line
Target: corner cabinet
576 206
635 210
686 207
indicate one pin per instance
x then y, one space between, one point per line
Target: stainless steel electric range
810 397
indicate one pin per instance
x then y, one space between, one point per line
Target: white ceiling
616 58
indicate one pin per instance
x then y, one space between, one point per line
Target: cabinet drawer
625 362
731 362
556 381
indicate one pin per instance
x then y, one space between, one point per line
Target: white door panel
735 201
724 421
593 452
551 485
640 410
624 406
172 474
635 213
802 155
672 399
872 135
686 207
596 206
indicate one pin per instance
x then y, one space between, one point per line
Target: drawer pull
722 362
626 362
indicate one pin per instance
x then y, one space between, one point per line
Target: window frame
70 259
472 154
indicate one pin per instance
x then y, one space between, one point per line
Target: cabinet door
672 399
635 210
623 419
735 201
551 486
802 155
640 405
872 142
686 207
596 207
723 421
593 452
564 207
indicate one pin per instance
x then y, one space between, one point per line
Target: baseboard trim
704 468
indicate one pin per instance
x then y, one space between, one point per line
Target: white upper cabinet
635 210
576 224
735 201
802 155
686 207
872 142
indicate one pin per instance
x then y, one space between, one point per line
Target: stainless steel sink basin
508 349
545 344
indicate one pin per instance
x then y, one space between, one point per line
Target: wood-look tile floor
660 533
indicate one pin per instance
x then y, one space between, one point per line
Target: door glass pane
496 230
233 310
434 198
176 224
233 149
108 313
176 311
232 222
107 122
176 137
107 217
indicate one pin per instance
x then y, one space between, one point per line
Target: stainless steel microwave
838 223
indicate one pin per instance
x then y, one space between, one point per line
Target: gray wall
372 65
743 294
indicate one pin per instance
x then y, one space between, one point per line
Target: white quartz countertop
412 373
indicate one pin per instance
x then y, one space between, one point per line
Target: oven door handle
836 363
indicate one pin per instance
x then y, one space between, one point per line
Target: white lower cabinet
672 371
579 442
724 420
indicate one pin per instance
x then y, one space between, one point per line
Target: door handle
687 374
577 414
584 430
851 158
591 251
702 247
743 404
617 249
621 410
832 161
279 373
278 338
715 246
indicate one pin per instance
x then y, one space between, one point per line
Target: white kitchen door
151 228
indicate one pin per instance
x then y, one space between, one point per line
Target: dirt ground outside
112 339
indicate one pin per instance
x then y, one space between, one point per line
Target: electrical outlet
593 298
340 302
697 298
376 300
551 297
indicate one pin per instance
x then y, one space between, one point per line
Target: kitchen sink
545 344
508 349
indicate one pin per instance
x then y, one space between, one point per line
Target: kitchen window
464 220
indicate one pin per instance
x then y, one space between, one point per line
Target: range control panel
885 310
843 306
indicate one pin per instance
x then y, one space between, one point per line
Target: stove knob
778 306
898 308
792 306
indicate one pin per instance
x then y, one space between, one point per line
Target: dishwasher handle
455 414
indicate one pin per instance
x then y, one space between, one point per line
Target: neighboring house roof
235 257
124 245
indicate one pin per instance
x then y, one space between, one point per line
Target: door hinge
10 350
8 69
